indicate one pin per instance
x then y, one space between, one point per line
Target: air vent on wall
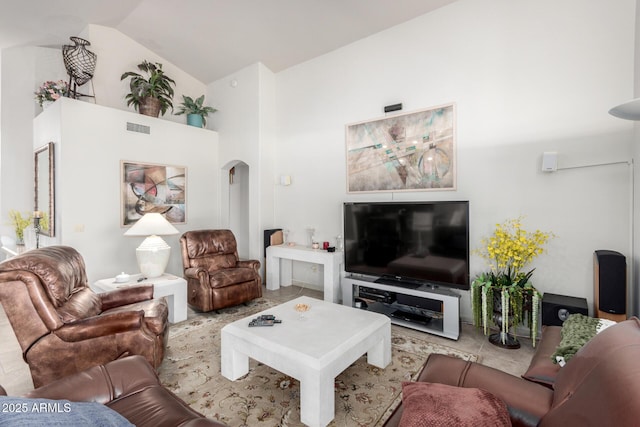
134 127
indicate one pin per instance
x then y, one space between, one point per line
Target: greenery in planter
155 85
19 223
508 250
191 106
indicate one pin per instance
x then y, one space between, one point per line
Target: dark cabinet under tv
424 308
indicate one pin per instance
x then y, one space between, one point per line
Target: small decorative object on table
504 295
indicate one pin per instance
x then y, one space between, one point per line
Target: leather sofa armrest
196 273
527 402
97 326
249 263
102 383
125 296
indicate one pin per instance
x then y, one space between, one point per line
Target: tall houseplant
195 110
151 94
504 296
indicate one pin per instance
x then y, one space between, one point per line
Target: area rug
364 395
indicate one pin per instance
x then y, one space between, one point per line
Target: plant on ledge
151 95
195 110
505 291
49 91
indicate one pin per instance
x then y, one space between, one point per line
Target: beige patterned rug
365 395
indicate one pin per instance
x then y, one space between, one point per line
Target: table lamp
153 253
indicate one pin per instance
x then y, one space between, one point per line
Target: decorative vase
46 104
194 120
149 106
502 339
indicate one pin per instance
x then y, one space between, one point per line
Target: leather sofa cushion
433 404
542 370
215 262
231 276
81 304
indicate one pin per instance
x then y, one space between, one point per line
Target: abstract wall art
414 151
153 188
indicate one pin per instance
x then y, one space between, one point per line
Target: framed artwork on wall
153 188
414 151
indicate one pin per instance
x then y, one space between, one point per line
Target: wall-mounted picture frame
414 151
153 188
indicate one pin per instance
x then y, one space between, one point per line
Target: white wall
117 53
245 122
90 143
21 73
526 78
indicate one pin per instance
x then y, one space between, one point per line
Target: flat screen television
408 243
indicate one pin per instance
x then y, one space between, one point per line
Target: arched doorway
235 203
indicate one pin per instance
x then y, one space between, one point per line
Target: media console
421 307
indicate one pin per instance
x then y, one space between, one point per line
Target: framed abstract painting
414 151
153 188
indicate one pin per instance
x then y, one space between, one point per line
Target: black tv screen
409 242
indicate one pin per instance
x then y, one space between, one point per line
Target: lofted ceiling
210 39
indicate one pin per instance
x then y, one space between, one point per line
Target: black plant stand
510 341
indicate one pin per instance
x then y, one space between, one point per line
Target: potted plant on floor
504 296
195 110
150 95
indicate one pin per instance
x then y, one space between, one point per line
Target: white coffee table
172 287
313 349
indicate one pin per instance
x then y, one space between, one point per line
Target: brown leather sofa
599 386
128 386
63 327
216 277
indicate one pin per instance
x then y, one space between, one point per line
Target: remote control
267 317
260 322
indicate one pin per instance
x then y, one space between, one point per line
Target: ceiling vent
135 127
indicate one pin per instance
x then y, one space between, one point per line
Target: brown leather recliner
64 327
216 277
599 386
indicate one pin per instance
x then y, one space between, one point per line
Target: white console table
280 267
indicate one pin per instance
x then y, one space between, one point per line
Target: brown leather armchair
216 278
599 386
64 327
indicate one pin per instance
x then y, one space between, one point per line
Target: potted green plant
151 94
195 110
504 296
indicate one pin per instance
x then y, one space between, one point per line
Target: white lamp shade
152 223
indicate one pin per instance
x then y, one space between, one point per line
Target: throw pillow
19 411
577 330
438 405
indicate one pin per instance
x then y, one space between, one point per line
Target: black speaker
610 285
556 308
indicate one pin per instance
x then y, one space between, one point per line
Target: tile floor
15 377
